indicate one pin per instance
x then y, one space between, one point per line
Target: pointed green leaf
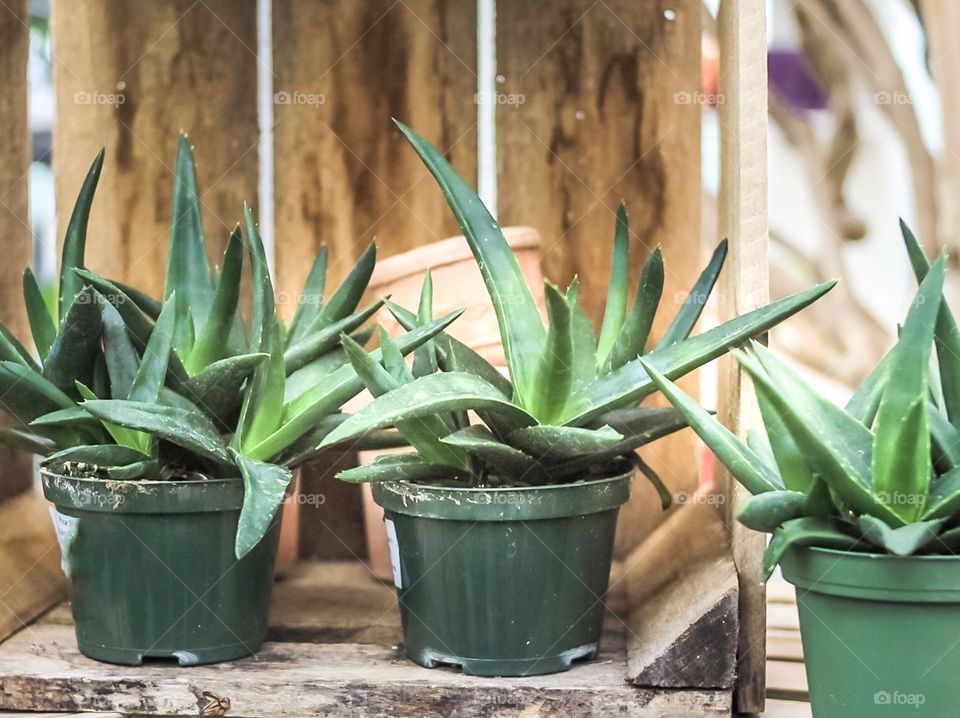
901 444
767 511
138 324
27 441
310 301
944 499
99 454
144 302
865 401
263 313
554 376
75 240
616 307
71 357
217 389
564 442
398 468
636 327
12 350
903 541
344 301
790 460
264 488
521 329
121 358
213 340
263 403
807 531
41 323
945 439
505 461
425 357
153 364
320 341
584 340
696 299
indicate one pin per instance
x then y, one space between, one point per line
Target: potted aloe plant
503 528
864 506
169 432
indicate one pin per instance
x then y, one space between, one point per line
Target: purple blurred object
791 80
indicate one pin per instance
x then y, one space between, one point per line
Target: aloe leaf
696 299
213 340
945 439
75 239
344 301
630 383
808 531
98 454
944 499
143 301
507 462
584 341
138 324
423 433
836 445
760 445
302 414
398 468
263 312
745 465
448 391
666 499
821 500
902 541
615 309
153 364
766 512
264 487
425 357
184 428
320 341
217 388
865 401
313 374
521 329
28 441
12 350
563 442
393 361
188 269
137 440
454 355
42 327
554 376
142 470
25 395
901 444
636 327
311 300
121 358
78 341
262 409
794 470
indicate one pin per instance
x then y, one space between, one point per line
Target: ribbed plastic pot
506 581
153 569
880 633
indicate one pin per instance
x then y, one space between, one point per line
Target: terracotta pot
457 283
288 549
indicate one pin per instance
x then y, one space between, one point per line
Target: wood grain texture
129 77
17 238
607 112
741 26
353 667
344 176
30 576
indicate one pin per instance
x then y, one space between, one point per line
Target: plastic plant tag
66 528
394 553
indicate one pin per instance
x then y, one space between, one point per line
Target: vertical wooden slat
741 26
130 76
343 174
16 472
598 103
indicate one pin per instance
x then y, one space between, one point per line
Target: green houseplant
505 528
864 506
169 432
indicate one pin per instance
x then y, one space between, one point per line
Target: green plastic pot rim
142 497
873 576
515 503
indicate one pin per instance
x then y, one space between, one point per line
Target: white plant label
66 528
394 553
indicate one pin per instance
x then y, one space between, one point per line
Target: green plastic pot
505 581
153 569
881 634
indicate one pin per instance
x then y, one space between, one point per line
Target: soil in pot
880 633
502 581
153 569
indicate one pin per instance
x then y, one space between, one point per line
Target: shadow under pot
502 581
153 569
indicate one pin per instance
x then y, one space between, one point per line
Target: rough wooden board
178 65
682 587
30 576
742 204
600 121
17 467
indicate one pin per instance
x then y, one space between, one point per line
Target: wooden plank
15 229
353 666
682 594
741 26
588 113
787 680
784 645
129 77
30 576
343 175
787 709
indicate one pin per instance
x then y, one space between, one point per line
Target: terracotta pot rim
443 252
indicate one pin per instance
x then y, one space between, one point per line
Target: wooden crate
603 116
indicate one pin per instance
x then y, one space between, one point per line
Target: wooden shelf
334 650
